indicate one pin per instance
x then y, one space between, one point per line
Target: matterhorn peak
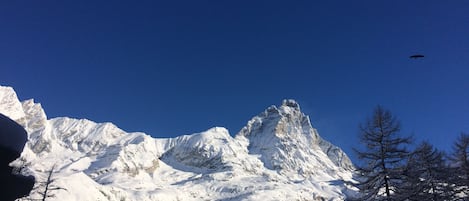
289 106
291 103
286 142
275 119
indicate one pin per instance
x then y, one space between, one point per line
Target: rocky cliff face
278 155
286 141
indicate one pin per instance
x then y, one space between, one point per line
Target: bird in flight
416 56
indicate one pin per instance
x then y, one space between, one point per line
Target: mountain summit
286 141
278 155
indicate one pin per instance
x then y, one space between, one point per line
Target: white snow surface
9 103
278 155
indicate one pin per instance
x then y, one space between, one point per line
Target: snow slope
278 155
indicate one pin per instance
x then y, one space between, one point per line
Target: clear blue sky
168 68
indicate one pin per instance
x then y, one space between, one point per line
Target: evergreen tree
383 157
460 159
426 176
47 186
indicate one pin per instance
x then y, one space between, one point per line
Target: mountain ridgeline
278 155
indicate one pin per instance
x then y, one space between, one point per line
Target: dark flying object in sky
416 56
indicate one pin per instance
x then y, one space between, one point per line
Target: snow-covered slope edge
278 155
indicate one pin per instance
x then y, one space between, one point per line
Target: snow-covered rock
286 141
278 155
9 103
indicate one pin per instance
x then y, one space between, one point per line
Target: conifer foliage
46 188
460 161
384 156
426 176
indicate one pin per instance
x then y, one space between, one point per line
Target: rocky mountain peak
291 103
9 103
286 141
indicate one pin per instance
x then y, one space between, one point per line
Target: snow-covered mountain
278 155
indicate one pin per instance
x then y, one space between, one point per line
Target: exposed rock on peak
286 141
9 103
291 103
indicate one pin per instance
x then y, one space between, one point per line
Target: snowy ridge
286 141
278 155
9 103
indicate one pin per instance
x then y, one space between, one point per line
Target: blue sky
169 68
